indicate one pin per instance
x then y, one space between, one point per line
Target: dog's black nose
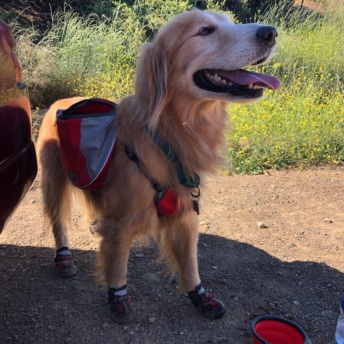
267 35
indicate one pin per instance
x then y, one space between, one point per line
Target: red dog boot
120 305
64 263
206 303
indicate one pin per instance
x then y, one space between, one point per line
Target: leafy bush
92 55
250 10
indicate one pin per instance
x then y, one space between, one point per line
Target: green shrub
250 10
91 55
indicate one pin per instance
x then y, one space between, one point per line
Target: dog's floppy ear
151 81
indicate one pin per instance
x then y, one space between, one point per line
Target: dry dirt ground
292 268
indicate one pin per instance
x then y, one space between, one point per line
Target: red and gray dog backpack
87 135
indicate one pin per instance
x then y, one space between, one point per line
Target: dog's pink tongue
243 77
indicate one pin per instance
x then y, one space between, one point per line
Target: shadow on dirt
38 307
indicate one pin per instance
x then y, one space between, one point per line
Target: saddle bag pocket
87 133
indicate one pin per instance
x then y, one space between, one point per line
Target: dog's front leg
179 244
180 241
113 261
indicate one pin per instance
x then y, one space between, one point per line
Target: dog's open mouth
237 82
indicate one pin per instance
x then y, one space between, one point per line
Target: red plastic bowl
274 330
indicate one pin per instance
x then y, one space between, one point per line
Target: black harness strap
133 156
171 154
160 190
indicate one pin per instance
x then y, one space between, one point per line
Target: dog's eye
205 31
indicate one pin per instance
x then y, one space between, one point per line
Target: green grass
301 124
285 130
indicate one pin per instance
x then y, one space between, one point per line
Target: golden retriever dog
169 133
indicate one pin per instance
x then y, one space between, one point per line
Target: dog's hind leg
57 203
92 202
179 241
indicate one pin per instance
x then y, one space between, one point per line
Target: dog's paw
205 302
122 311
65 266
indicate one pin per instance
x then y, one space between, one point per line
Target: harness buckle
195 200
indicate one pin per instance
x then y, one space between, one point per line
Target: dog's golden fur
191 119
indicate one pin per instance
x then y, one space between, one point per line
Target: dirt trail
292 268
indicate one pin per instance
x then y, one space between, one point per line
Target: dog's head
201 56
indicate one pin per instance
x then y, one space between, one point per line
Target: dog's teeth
209 76
217 78
250 86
